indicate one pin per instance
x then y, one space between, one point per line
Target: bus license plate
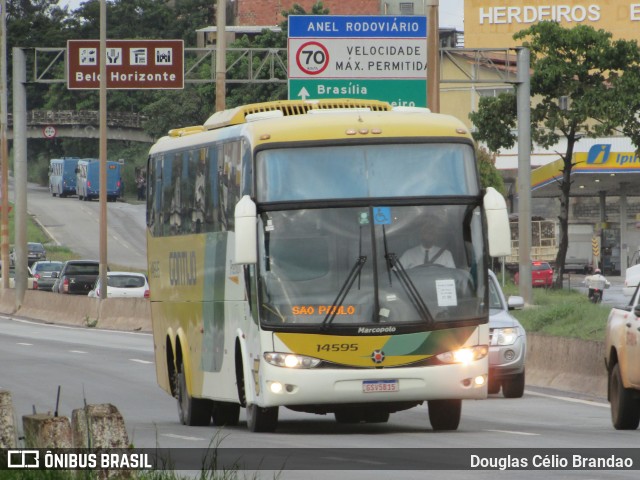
380 386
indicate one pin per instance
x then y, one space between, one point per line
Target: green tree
240 94
489 175
575 63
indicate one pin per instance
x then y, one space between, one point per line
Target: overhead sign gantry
131 64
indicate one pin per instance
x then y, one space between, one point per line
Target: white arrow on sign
303 93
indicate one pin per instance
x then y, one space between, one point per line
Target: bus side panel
190 277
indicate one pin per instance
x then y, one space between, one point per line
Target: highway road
76 225
116 367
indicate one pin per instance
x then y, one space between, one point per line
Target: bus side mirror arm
246 230
498 230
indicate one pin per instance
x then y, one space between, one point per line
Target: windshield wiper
342 294
410 288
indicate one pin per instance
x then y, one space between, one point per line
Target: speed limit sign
312 58
49 131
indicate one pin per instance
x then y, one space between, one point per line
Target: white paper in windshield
446 290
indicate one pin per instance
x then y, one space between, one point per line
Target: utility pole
433 57
221 54
4 149
524 173
20 170
103 149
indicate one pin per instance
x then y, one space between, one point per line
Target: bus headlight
291 360
505 336
464 355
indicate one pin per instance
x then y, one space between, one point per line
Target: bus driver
427 252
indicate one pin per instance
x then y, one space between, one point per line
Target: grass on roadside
562 313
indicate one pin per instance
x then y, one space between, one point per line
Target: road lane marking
569 399
25 344
77 351
140 361
68 327
181 437
512 432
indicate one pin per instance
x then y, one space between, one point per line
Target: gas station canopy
598 170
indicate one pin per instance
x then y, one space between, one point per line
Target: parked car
76 277
123 285
541 274
507 343
43 274
12 278
35 253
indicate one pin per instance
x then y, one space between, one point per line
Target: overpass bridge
49 124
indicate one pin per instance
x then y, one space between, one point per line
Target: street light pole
433 57
103 149
221 54
4 149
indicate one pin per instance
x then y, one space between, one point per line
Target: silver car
507 344
42 271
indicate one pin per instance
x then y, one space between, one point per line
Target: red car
541 274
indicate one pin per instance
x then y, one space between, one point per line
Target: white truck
622 359
632 276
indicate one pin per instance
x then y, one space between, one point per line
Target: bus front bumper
281 386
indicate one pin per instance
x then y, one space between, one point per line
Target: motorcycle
595 295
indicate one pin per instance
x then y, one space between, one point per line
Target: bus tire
445 414
261 419
225 413
195 412
625 408
513 387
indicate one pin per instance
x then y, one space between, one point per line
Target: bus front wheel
445 414
261 419
195 412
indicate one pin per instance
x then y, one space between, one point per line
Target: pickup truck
622 359
77 277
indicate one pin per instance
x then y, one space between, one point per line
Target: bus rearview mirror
246 248
498 230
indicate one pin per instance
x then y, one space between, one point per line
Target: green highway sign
398 92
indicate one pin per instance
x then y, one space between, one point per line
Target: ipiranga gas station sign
372 57
492 23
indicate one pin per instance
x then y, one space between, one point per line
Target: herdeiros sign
131 64
492 23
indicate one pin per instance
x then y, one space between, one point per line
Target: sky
450 11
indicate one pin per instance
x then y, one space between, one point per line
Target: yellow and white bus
275 241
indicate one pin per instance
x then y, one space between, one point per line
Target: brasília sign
370 57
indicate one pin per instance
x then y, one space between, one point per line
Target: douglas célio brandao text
551 462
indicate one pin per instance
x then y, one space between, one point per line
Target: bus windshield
364 266
365 171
